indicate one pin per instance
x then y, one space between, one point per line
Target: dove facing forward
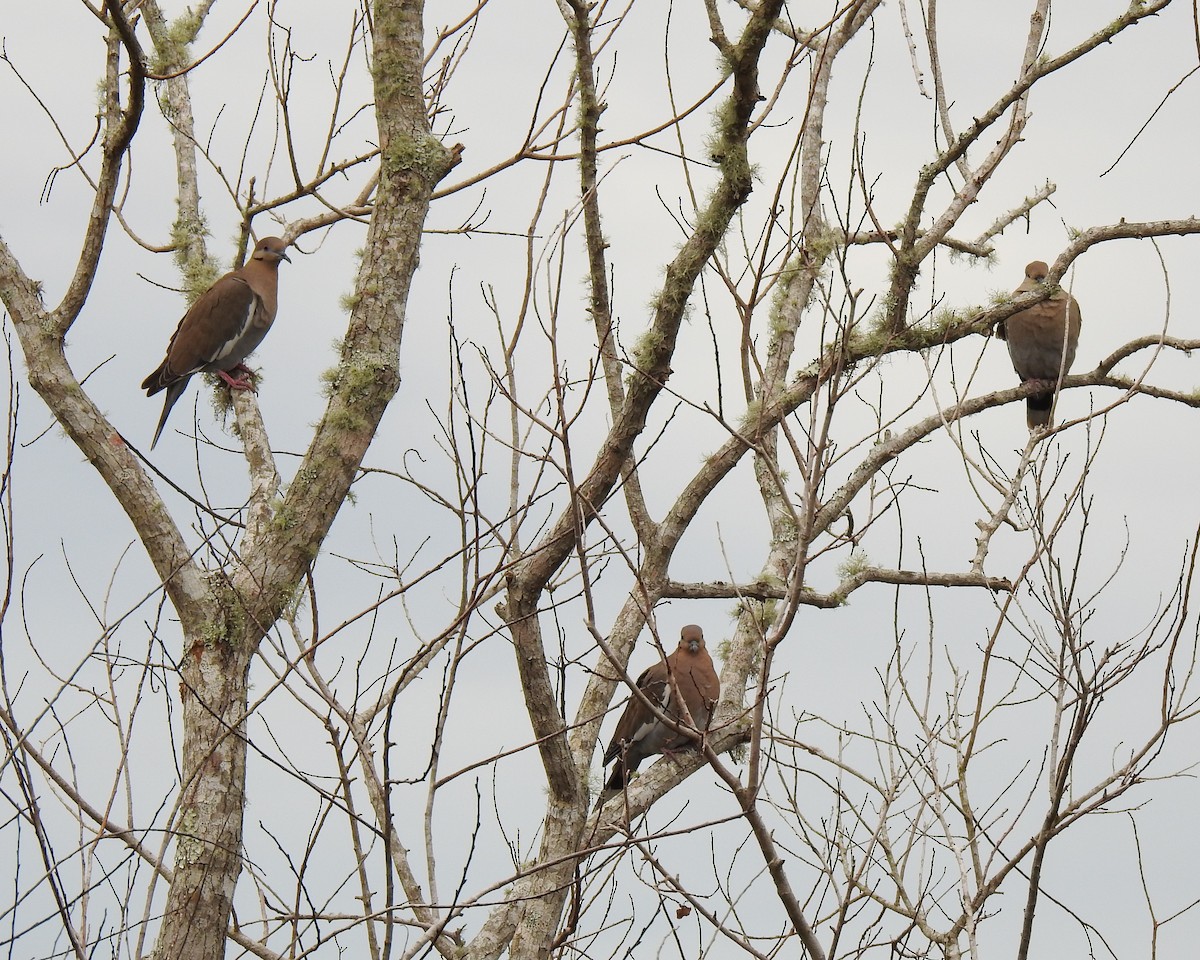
222 328
687 674
1041 342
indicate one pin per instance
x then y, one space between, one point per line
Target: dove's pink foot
244 382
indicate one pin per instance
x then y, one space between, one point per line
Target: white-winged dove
222 328
686 674
1042 342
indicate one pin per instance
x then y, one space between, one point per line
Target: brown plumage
1042 342
222 328
687 675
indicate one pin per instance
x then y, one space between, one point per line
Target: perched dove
222 328
686 674
1042 342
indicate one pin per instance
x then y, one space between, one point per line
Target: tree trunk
208 823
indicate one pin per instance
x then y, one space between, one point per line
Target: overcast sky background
1143 479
